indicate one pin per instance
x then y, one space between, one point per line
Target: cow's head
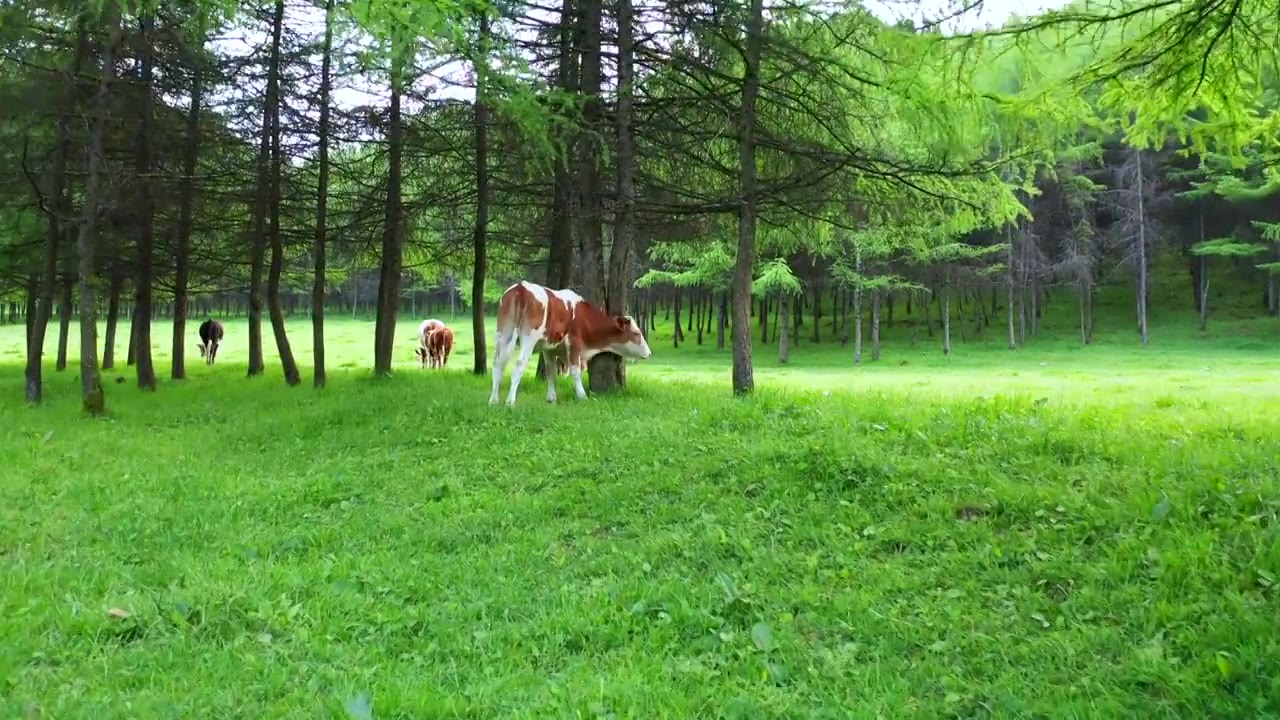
630 342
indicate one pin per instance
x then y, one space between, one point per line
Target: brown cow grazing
423 330
565 328
439 345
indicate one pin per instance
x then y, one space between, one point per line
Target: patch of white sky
438 80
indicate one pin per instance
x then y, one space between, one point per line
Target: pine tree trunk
392 228
92 398
784 351
287 362
722 319
113 320
875 325
743 374
857 326
1204 293
146 371
480 233
1142 255
186 202
40 312
65 311
1008 280
677 333
946 321
322 202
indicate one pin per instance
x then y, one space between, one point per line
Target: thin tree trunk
817 310
784 351
1204 293
946 321
65 311
146 371
92 399
322 202
844 317
743 375
480 233
875 325
131 352
1008 284
701 303
1142 255
40 312
608 371
764 319
857 323
722 319
186 200
287 362
677 334
392 247
113 320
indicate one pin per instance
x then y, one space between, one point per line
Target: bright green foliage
776 278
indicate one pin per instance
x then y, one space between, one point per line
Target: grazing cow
210 339
423 330
568 331
439 345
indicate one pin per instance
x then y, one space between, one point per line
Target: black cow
210 339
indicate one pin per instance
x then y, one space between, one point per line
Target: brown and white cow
439 345
423 330
565 328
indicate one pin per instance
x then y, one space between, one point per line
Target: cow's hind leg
549 366
526 351
502 347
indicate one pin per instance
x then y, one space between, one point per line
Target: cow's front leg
575 371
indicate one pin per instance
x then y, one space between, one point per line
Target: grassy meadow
1059 531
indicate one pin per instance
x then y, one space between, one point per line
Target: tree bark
479 236
65 311
946 321
287 362
875 325
322 202
764 318
590 237
817 310
560 251
146 242
722 319
1142 254
677 330
92 398
1204 293
743 375
39 313
131 352
784 352
186 192
113 320
1008 280
608 371
392 247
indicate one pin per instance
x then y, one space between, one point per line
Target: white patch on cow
576 373
570 298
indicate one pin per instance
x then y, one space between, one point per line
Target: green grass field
1057 532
